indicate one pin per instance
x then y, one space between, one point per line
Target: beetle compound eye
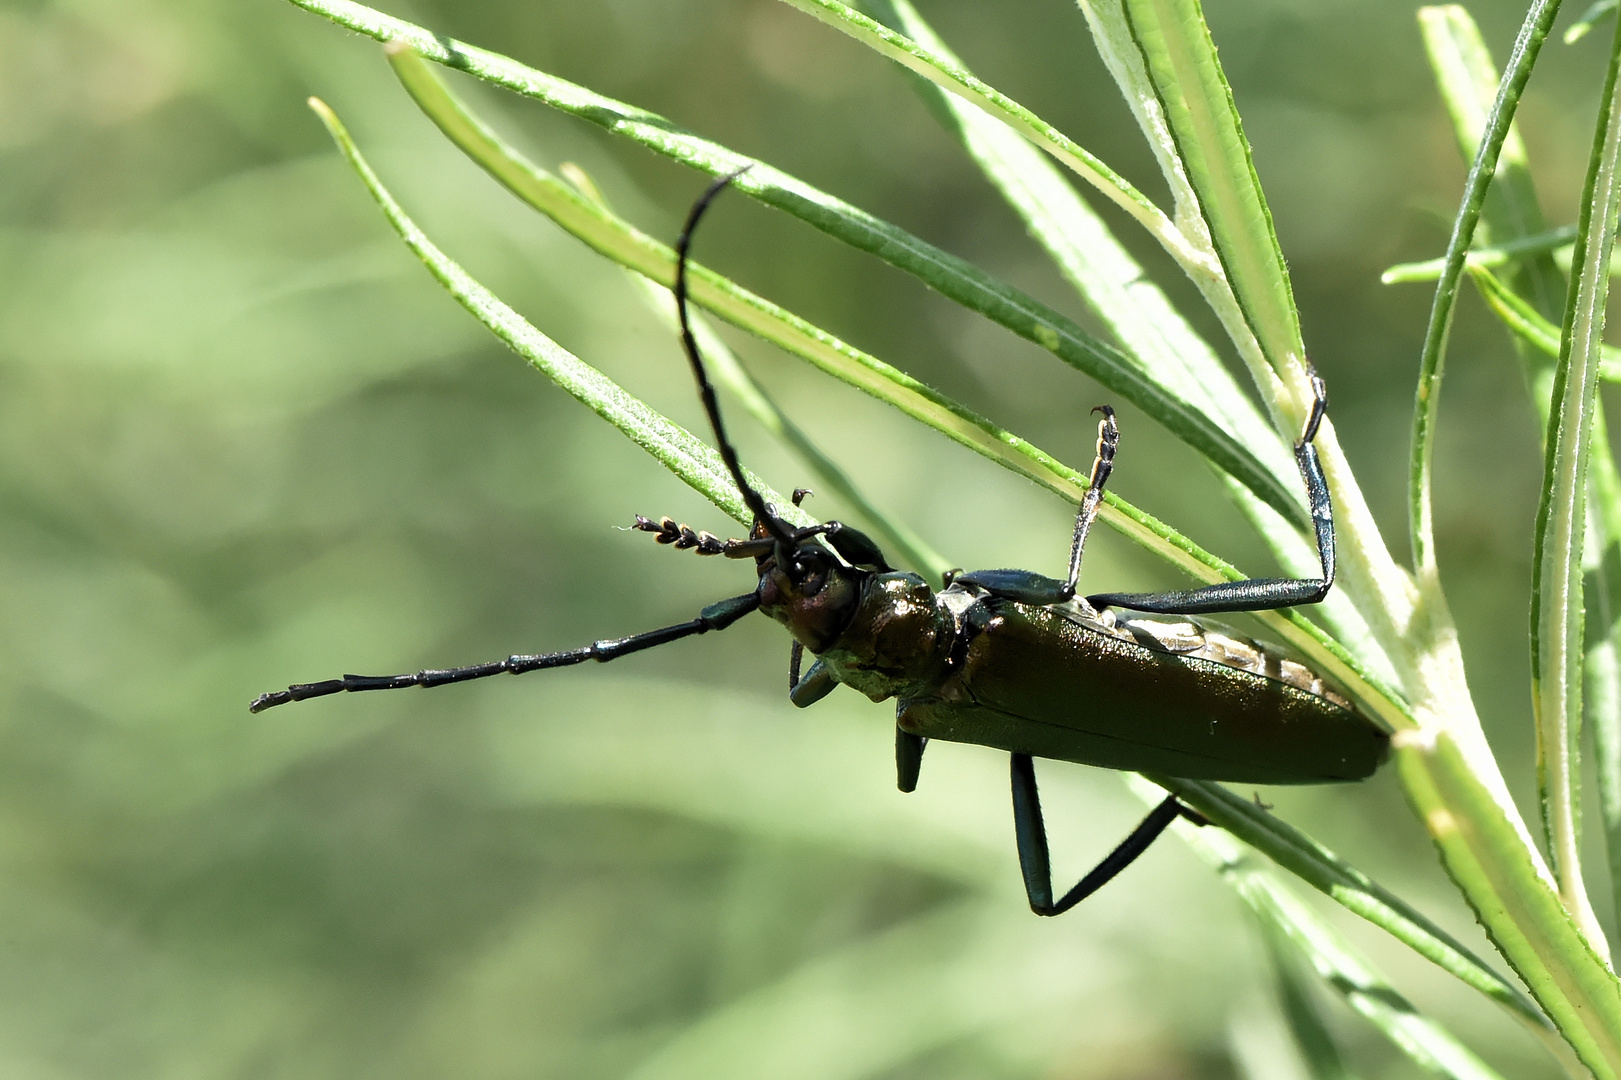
809 572
810 577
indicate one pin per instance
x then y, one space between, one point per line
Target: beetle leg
816 685
908 758
1259 594
1031 836
1102 466
717 616
796 656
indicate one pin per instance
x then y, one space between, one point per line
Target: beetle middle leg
1259 594
1031 835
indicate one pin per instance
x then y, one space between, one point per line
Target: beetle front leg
818 682
1031 835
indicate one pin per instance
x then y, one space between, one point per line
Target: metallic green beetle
1012 659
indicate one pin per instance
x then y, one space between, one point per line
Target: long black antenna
774 525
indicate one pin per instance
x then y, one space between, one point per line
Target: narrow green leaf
1382 591
1189 240
1528 324
947 274
1468 79
1114 36
1335 960
1584 23
633 249
1527 46
1488 255
1312 1037
678 450
1369 567
1112 283
1323 870
945 71
1180 60
1557 630
730 375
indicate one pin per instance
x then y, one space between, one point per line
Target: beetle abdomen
1180 699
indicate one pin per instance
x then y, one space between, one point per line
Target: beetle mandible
1012 659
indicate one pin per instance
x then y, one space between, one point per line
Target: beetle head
815 585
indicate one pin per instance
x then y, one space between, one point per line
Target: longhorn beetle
1012 659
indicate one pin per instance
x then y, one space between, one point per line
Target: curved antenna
774 525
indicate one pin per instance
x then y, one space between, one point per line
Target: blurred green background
246 441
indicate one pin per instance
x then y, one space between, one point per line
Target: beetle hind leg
1031 836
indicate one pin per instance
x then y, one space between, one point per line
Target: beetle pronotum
1012 659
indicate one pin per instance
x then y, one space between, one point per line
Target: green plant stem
1512 219
1486 854
1557 629
1468 80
